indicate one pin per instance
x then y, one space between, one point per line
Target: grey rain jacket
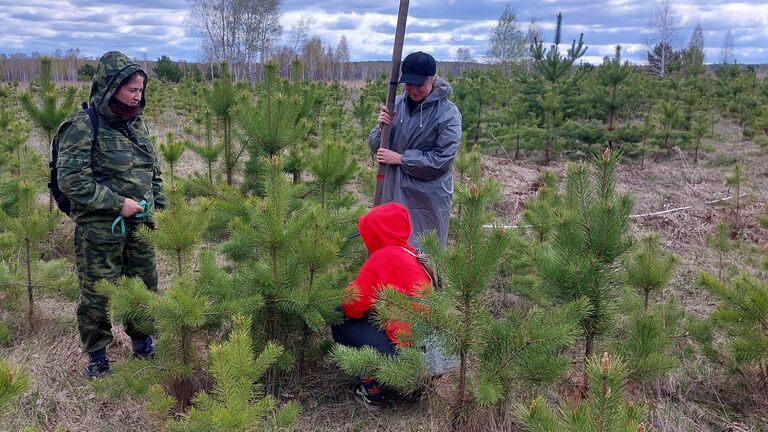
428 140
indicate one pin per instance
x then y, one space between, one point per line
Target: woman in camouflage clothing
117 175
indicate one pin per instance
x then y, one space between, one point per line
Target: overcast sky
154 27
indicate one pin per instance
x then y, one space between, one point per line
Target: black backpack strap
94 117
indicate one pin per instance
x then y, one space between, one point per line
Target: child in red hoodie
392 262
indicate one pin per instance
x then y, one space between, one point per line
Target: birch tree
664 37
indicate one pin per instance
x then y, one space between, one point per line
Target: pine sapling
222 100
276 120
172 150
604 410
14 381
540 211
735 180
496 351
209 152
647 131
332 167
646 339
467 164
670 119
613 76
179 228
648 268
29 230
177 317
720 241
736 334
45 106
264 238
236 401
591 234
699 130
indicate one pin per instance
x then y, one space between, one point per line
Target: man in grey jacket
424 140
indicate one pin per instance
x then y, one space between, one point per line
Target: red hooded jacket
385 231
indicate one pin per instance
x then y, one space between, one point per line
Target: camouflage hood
113 68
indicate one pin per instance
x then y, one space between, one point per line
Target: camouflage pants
99 254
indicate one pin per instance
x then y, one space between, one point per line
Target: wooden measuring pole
394 75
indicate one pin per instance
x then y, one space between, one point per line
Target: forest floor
695 397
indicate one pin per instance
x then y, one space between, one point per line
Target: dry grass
695 398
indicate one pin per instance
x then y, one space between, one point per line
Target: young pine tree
467 164
172 150
236 401
277 119
28 231
604 410
332 167
209 151
272 241
670 119
222 100
177 317
646 339
699 130
735 180
558 83
13 383
648 268
45 107
721 242
540 211
179 229
614 93
735 335
591 234
646 335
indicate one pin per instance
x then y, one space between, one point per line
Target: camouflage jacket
122 164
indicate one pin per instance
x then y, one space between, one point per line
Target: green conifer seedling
273 243
176 317
699 130
604 410
495 352
540 212
179 229
236 401
736 335
332 166
222 100
172 150
276 120
591 234
648 269
209 152
721 242
28 231
45 107
13 383
735 180
467 164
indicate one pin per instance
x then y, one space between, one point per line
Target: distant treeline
68 68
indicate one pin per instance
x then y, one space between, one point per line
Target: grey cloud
439 25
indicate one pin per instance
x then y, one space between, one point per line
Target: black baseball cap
417 66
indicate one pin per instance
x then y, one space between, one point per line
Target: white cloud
436 25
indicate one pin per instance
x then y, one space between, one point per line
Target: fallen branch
631 216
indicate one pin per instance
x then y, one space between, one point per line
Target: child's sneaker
98 365
143 348
369 394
